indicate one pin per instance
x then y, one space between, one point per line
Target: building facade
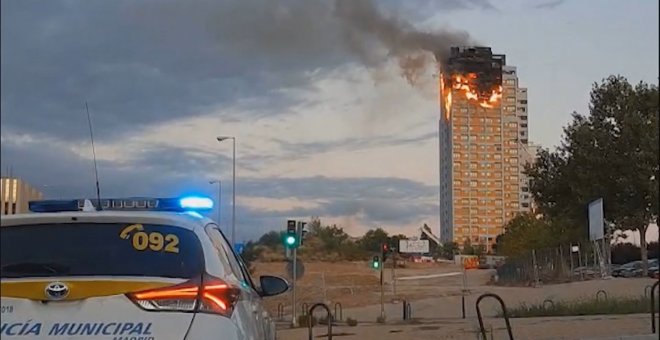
15 195
483 137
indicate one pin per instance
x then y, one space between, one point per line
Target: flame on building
475 74
465 85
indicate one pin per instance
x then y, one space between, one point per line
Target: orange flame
462 84
445 97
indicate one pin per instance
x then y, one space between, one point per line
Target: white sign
596 222
409 246
575 249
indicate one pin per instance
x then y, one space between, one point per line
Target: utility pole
294 320
382 295
394 272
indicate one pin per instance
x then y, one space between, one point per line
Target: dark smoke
362 23
318 33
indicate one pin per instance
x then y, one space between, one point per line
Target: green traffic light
376 265
290 240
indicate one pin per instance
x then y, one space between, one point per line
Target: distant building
15 195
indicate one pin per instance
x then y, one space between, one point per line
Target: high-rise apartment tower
483 139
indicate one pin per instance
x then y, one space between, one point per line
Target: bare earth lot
436 303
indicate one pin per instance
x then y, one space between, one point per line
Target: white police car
138 269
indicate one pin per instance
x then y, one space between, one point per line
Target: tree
611 153
271 239
523 233
373 239
331 237
448 250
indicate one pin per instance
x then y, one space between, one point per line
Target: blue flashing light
183 204
196 203
53 206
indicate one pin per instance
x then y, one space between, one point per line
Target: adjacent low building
15 194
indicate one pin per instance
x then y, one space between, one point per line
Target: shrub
591 306
304 319
351 322
380 319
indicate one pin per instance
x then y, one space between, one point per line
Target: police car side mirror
272 285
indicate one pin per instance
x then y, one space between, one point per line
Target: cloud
263 203
549 4
139 63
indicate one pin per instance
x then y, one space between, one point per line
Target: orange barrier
471 262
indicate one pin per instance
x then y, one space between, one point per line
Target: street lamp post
233 187
219 182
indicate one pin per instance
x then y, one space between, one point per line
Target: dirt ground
436 303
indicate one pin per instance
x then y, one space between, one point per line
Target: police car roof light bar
181 204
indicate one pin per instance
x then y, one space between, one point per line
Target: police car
133 269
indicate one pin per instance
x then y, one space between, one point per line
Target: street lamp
233 187
219 182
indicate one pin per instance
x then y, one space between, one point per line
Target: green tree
523 233
271 239
448 250
373 239
611 153
331 237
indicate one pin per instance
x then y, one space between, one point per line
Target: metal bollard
409 311
280 310
653 306
328 316
481 321
304 307
647 290
601 292
341 311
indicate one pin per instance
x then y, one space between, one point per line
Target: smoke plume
363 22
319 33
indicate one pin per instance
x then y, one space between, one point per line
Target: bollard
463 293
280 310
341 312
405 310
328 316
601 292
304 306
504 313
647 290
545 302
653 306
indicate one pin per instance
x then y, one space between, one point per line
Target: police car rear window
121 249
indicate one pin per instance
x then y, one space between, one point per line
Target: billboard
596 220
410 246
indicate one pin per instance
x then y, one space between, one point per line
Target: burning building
483 138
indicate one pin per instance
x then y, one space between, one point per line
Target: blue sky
321 129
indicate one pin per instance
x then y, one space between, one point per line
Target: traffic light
385 249
302 232
291 239
375 263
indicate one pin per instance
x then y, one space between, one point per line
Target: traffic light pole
382 294
394 273
294 320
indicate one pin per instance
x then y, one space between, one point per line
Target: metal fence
560 264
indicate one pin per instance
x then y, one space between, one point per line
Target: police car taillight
213 296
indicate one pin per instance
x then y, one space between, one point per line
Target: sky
325 123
